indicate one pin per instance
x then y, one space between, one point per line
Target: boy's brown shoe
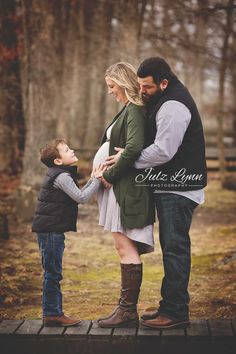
60 321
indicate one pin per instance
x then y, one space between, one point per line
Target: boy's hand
106 184
111 160
98 171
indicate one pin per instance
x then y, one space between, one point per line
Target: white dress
109 209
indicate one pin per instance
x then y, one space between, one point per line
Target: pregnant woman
126 208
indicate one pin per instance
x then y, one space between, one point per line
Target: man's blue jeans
175 216
52 246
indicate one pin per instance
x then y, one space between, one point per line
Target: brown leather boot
60 321
125 314
150 313
110 314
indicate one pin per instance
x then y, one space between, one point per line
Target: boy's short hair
50 152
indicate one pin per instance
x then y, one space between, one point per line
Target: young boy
56 213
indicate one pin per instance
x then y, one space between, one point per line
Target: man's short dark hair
157 68
50 152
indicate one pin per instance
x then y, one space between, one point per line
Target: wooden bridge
201 337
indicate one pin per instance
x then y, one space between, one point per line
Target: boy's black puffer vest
55 210
187 169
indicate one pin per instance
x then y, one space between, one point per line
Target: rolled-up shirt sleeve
172 121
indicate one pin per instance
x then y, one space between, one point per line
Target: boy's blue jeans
175 216
52 246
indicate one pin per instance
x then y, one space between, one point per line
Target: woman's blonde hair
124 75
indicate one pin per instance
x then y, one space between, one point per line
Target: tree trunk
98 59
232 64
11 118
222 75
86 58
40 66
66 46
200 43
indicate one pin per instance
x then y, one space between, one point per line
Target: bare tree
11 119
68 44
227 32
62 69
98 58
85 57
232 66
40 76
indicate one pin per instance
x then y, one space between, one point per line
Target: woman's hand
98 170
111 160
106 184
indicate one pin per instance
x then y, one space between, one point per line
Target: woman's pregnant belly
101 154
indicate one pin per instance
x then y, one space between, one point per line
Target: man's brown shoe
60 321
150 313
162 322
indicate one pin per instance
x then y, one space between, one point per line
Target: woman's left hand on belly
111 160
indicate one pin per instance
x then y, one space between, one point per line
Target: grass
91 267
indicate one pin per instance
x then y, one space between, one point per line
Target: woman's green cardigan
135 200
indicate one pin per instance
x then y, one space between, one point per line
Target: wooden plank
21 337
222 336
173 332
52 345
29 328
80 331
124 340
148 340
198 328
9 342
76 338
26 337
148 332
96 331
8 327
99 340
172 339
198 338
124 332
220 328
51 331
52 341
233 322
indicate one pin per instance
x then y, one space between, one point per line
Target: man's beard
152 99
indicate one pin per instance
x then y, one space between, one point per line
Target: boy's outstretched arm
65 182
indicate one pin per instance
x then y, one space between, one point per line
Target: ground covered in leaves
91 266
